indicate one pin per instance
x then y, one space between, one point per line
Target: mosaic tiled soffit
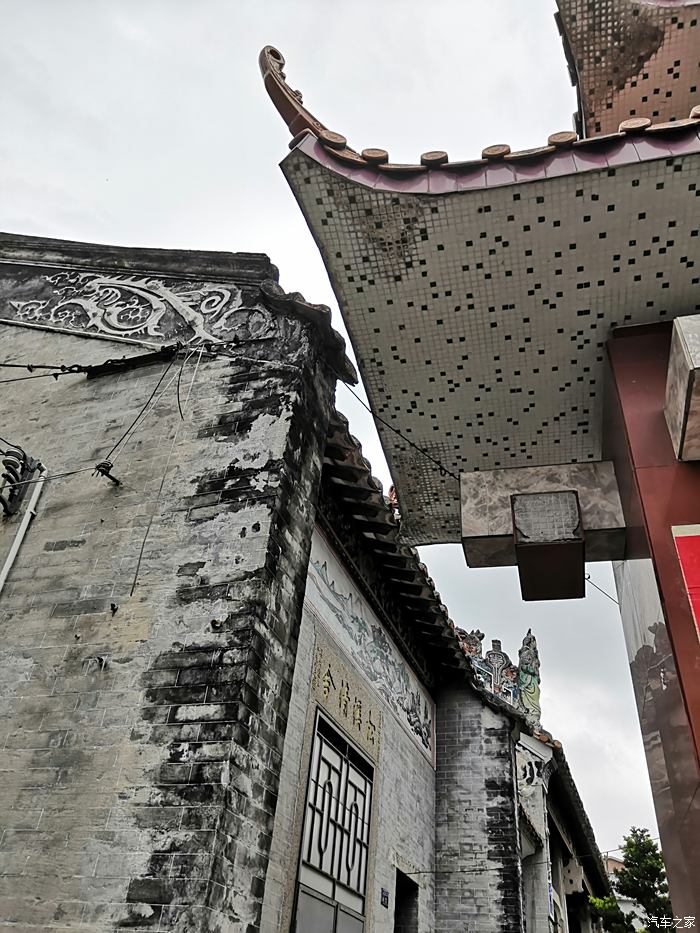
631 59
479 295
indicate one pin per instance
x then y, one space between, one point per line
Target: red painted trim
688 548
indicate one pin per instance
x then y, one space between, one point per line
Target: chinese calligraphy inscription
341 694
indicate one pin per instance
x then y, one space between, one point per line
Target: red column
659 586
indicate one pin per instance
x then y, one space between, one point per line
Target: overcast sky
145 123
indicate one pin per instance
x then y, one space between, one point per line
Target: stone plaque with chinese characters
340 693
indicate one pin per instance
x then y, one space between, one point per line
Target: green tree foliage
642 879
608 910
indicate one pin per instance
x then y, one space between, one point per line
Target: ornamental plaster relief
334 598
131 306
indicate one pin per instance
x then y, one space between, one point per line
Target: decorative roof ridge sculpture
517 684
301 122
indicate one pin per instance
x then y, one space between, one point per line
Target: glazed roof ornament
289 102
300 121
529 679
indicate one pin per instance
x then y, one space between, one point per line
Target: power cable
179 380
148 410
67 372
145 405
600 590
91 469
444 471
165 473
153 512
62 370
194 375
32 366
468 871
54 476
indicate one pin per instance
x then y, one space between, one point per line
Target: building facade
232 699
526 326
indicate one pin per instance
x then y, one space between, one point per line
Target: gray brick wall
140 791
477 857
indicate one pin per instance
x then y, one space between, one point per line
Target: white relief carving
129 306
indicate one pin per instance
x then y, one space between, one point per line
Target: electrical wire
578 855
444 471
600 590
67 372
194 375
179 380
144 415
165 473
619 848
141 415
149 399
62 370
476 871
33 366
143 408
53 476
153 512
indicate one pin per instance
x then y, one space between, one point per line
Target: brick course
477 851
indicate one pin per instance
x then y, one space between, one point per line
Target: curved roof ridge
294 303
301 121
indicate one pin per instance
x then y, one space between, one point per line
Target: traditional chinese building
232 699
526 326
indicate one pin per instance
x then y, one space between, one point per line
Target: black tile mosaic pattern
479 318
633 59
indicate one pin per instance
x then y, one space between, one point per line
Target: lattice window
335 841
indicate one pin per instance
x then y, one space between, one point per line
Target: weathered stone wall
534 765
477 850
143 733
403 828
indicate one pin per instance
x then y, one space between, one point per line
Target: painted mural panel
335 599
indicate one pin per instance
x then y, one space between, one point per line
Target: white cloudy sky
145 123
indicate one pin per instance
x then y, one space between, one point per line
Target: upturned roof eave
637 140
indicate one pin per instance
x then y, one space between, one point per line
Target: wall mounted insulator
17 468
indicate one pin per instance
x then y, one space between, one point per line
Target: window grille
335 840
